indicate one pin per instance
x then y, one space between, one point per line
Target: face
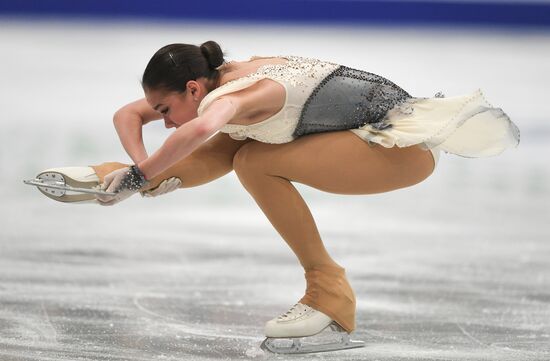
176 108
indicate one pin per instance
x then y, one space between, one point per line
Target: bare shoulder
259 100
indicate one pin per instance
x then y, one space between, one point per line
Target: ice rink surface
454 268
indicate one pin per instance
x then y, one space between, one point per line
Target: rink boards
393 13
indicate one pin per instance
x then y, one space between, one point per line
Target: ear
193 87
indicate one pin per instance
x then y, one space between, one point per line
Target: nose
168 122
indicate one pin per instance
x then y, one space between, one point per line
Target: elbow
118 116
125 117
204 130
208 125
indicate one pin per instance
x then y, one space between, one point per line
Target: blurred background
453 268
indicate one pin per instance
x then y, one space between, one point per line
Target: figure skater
283 119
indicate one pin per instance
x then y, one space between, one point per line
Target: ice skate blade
56 186
297 348
270 344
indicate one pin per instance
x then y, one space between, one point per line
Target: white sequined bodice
298 75
325 97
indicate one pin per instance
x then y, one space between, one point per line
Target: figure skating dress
323 97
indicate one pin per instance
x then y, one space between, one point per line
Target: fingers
112 184
107 181
166 186
107 187
111 202
112 181
173 184
104 199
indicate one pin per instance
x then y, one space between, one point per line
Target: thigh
211 160
339 162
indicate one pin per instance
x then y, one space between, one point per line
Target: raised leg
210 161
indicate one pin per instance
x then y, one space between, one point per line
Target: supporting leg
287 211
336 162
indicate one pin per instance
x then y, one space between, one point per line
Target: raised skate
291 333
68 184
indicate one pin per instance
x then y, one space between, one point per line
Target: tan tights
336 162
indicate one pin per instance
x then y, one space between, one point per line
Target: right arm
211 160
128 122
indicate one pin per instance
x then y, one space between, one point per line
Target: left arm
188 137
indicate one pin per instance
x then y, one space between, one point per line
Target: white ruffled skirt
464 125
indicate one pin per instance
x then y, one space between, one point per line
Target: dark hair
174 65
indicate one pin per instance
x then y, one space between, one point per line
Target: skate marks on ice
413 317
216 330
47 329
147 326
385 346
127 298
216 325
158 297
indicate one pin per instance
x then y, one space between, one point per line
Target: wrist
139 173
134 179
142 169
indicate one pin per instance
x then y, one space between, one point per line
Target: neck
213 83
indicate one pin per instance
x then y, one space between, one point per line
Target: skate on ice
299 331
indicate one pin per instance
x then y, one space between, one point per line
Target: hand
124 182
166 186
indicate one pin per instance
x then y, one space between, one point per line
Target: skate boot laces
297 311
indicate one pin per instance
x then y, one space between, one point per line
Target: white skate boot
68 184
284 332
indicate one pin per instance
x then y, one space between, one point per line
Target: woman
277 120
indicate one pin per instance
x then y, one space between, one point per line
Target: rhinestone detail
327 97
133 180
348 99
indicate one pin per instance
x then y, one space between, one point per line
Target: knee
245 160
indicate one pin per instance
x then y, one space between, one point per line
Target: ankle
330 264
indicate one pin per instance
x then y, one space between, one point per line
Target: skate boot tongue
294 312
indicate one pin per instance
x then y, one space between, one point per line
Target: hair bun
213 53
